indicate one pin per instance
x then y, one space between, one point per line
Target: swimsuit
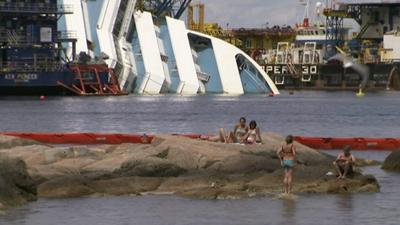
252 137
288 163
240 132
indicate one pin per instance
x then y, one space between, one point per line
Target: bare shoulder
293 149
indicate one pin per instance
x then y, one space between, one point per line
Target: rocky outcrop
392 162
11 142
16 185
182 166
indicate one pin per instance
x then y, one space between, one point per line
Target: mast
306 15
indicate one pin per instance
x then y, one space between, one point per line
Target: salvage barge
305 63
33 50
333 77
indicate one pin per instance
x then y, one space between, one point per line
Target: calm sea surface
305 113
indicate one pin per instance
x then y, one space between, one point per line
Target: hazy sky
256 13
252 13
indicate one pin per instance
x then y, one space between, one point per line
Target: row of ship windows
27 1
312 32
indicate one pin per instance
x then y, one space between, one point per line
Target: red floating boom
326 143
84 138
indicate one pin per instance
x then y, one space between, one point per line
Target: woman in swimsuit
287 155
239 131
235 136
253 134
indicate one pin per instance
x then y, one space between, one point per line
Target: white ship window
248 43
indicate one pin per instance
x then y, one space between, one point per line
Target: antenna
306 17
319 8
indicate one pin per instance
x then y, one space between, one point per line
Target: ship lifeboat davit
84 138
326 143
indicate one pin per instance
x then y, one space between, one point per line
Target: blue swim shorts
288 163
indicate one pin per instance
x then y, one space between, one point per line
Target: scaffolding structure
334 30
197 25
159 8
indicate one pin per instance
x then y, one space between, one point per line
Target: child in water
287 156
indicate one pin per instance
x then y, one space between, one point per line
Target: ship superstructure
29 53
33 58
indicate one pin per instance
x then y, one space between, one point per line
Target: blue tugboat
32 58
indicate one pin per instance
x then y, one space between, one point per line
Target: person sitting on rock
253 134
239 131
287 156
344 163
235 136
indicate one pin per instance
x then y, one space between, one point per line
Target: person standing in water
287 156
344 163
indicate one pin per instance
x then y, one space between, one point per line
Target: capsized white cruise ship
158 55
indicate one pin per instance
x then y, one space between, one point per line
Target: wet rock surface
16 185
11 142
182 166
392 162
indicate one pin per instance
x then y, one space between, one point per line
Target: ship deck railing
20 7
67 35
23 39
38 66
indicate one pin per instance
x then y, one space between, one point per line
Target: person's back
288 152
287 156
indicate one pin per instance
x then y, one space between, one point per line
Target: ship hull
34 90
332 77
45 83
35 83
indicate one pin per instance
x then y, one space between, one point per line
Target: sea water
304 113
